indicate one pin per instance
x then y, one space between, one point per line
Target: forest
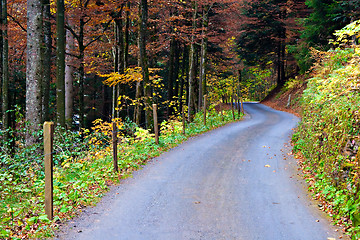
106 59
83 64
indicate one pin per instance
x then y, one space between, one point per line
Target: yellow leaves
105 131
124 99
350 30
130 75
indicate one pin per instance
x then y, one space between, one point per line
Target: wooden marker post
183 120
242 105
221 111
48 157
156 127
238 105
114 142
205 102
232 106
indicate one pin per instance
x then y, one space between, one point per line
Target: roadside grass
83 172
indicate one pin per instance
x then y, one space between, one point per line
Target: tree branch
72 32
98 37
17 22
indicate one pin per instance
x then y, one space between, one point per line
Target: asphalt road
236 182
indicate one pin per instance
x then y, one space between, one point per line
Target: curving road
236 182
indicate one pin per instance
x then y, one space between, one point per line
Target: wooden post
221 110
238 105
48 157
183 120
289 101
156 127
242 105
205 102
232 106
115 145
240 92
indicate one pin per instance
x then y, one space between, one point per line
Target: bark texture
69 79
60 62
143 15
191 102
5 66
47 61
203 57
33 69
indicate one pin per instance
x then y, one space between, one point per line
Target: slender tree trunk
183 77
126 35
69 79
33 69
192 66
120 58
143 16
116 69
176 73
137 112
203 56
81 73
1 67
5 66
281 53
60 62
47 62
282 70
171 77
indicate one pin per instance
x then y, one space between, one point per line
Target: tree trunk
176 74
1 57
137 112
126 35
192 66
116 69
33 69
47 62
203 56
183 77
171 77
143 15
69 79
81 73
5 66
120 58
60 63
281 53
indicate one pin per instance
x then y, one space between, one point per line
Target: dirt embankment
287 101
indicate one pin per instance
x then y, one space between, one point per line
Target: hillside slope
327 139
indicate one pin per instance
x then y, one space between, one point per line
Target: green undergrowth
83 172
328 136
